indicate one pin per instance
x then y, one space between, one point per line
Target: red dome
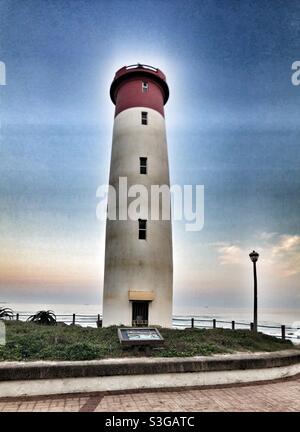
126 88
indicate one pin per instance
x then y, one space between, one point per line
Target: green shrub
28 341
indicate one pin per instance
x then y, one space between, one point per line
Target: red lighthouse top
139 86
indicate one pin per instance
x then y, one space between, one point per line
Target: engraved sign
140 336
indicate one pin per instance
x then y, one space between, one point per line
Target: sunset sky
232 125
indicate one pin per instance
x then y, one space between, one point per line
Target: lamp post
254 257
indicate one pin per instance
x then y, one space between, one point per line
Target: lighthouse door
140 313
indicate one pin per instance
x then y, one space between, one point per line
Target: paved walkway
276 396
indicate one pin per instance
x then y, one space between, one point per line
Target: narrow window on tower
142 229
144 118
143 165
145 87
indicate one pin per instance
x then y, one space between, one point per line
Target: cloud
230 254
279 254
287 244
286 254
266 235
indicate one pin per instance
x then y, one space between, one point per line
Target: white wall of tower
130 263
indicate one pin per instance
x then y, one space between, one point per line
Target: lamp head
254 256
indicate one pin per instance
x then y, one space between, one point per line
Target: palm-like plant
6 313
43 318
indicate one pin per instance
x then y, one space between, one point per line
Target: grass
29 341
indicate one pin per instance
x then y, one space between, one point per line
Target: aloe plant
6 313
43 318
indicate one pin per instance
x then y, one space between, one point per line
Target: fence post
233 325
99 321
283 332
192 322
214 323
17 317
252 326
73 321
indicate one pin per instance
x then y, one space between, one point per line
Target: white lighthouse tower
138 278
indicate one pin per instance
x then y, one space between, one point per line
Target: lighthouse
138 275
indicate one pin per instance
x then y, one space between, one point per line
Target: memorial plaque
140 336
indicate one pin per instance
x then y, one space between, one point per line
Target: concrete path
276 396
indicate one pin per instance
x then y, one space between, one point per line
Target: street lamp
254 257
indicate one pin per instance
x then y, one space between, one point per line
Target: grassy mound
28 341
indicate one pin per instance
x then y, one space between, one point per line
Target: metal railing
194 322
140 323
66 318
178 322
143 66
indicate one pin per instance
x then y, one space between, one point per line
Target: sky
232 125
